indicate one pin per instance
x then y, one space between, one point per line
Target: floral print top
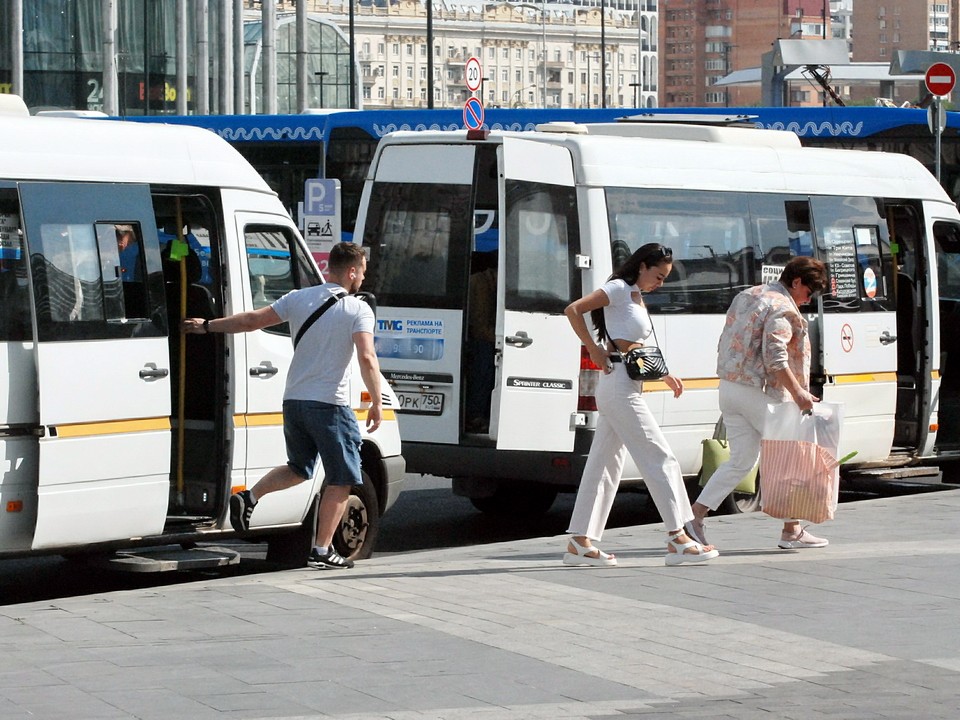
764 333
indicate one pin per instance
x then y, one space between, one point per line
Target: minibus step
166 559
919 474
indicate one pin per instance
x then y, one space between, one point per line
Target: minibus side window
277 265
543 237
14 290
420 236
708 233
90 281
852 238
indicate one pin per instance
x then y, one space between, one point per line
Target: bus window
277 265
86 275
852 238
708 233
543 231
14 292
420 236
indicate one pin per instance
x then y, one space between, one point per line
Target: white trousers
744 409
625 424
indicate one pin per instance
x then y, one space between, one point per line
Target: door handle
521 339
261 370
886 338
152 372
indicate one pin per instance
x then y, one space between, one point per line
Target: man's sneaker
330 559
803 539
241 508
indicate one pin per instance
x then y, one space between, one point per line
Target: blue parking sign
320 196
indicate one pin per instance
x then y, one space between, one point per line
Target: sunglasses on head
661 253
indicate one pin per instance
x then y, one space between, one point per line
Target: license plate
421 403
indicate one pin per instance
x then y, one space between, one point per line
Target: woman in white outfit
625 423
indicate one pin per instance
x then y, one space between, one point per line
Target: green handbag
715 453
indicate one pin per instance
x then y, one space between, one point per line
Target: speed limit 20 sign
473 74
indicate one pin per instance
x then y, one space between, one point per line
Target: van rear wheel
517 500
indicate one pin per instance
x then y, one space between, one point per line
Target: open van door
535 399
102 362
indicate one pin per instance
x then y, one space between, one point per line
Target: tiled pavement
868 627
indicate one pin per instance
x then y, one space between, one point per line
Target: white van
554 211
115 432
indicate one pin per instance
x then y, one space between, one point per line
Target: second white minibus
543 217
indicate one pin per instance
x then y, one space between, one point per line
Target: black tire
291 549
517 500
359 528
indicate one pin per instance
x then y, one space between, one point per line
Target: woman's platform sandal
580 557
682 556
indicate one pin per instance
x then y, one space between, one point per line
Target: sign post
940 79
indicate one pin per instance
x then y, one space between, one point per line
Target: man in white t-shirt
317 418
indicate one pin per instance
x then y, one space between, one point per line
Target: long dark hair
645 256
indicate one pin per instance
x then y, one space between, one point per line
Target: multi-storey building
704 40
532 54
882 27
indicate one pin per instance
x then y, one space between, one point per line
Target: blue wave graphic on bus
844 129
239 134
408 348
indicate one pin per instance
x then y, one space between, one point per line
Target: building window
396 48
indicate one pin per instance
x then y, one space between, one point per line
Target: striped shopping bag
798 480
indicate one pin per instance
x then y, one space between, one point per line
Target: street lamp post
321 74
636 94
603 54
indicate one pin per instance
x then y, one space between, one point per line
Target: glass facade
63 61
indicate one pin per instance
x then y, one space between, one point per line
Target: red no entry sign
473 113
940 79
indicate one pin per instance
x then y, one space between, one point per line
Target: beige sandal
580 557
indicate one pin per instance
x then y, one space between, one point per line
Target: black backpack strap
315 316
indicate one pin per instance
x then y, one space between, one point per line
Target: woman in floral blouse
763 357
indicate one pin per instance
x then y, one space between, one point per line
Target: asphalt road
427 516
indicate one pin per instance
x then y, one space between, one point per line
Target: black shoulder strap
315 316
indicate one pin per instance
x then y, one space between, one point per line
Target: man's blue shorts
313 429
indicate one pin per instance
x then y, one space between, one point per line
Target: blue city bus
289 149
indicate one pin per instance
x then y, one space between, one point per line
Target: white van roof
92 150
677 131
628 160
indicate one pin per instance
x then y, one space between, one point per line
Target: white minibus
118 431
501 401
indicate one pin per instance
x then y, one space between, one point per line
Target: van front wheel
360 525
